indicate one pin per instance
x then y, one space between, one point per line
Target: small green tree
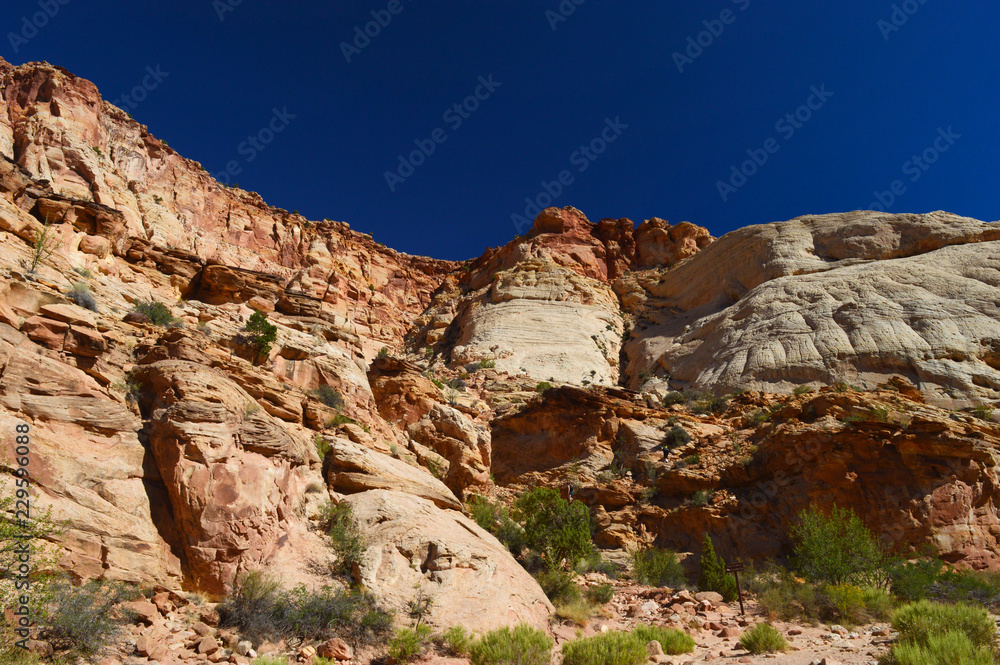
554 527
713 575
42 247
838 549
261 334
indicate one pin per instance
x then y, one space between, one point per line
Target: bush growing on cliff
329 396
81 295
158 313
345 539
261 334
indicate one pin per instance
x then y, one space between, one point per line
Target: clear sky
721 112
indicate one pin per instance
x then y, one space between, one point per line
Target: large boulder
472 578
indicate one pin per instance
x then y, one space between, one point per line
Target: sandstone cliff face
182 458
855 297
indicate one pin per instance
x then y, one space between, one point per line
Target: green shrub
610 648
763 638
709 403
83 619
408 643
758 417
838 549
600 594
559 585
595 563
713 575
673 641
269 659
521 645
916 622
950 648
914 580
487 364
383 352
260 609
798 391
674 397
329 396
81 295
322 446
553 527
675 437
848 601
542 387
497 519
345 539
158 313
457 640
657 567
42 247
261 334
700 498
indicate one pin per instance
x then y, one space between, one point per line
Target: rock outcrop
471 577
855 297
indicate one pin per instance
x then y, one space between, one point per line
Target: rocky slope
180 458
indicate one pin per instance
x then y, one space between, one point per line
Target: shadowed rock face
181 456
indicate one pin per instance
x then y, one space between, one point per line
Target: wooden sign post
735 569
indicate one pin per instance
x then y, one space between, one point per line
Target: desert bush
408 643
322 446
848 601
672 640
657 567
780 595
763 638
838 548
345 539
713 575
600 594
84 619
700 498
329 396
758 417
81 295
497 519
383 352
916 622
914 580
158 313
261 334
595 563
951 648
542 387
709 403
804 389
270 659
559 585
42 247
553 527
674 397
261 609
457 641
521 645
610 648
675 437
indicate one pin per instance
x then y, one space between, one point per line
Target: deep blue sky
890 97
